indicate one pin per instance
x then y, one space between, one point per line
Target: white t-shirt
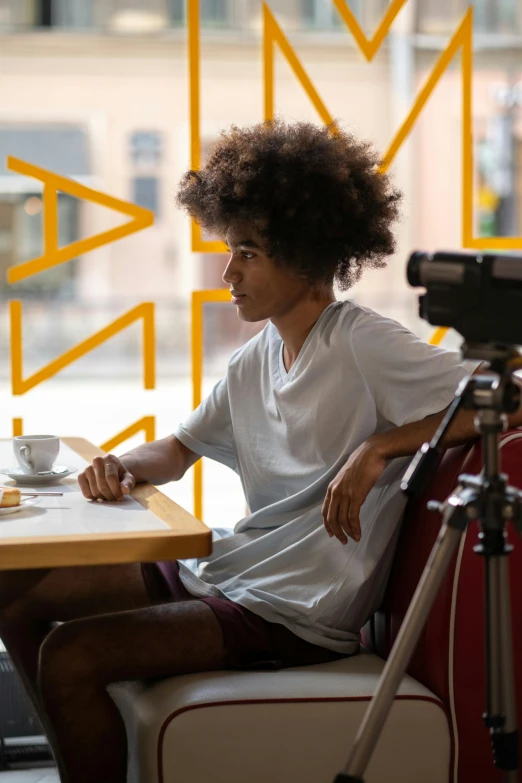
287 435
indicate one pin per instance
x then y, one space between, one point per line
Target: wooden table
168 531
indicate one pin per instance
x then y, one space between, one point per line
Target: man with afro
318 414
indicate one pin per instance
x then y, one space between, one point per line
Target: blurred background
98 91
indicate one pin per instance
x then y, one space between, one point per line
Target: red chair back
449 658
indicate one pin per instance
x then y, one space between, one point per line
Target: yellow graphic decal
147 424
198 300
21 385
53 255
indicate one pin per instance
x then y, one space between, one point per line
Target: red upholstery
432 658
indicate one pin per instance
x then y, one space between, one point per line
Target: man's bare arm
111 477
159 462
406 440
348 490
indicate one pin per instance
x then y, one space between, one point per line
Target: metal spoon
54 470
32 494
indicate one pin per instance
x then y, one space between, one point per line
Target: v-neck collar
282 370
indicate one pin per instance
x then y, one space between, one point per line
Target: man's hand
106 479
348 491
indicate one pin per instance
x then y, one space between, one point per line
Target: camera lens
413 267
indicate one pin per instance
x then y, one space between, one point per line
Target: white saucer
33 480
23 504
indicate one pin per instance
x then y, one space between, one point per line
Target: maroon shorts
250 641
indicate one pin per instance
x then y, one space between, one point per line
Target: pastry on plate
10 496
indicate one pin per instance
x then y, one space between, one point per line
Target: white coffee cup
35 453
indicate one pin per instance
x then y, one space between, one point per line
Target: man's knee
63 661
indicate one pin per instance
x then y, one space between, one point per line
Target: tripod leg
506 743
407 638
500 698
492 640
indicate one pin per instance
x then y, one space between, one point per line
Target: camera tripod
488 499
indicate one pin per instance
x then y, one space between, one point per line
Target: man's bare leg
81 657
32 600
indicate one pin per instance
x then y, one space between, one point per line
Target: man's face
268 291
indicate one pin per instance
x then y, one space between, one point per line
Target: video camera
479 295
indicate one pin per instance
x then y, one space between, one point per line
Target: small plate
58 472
23 504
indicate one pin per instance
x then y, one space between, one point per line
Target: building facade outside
99 92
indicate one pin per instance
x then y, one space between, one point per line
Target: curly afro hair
314 193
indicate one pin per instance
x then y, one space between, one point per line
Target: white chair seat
282 726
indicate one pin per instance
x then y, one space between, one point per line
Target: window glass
21 239
146 193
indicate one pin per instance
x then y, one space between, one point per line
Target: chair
449 658
299 723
